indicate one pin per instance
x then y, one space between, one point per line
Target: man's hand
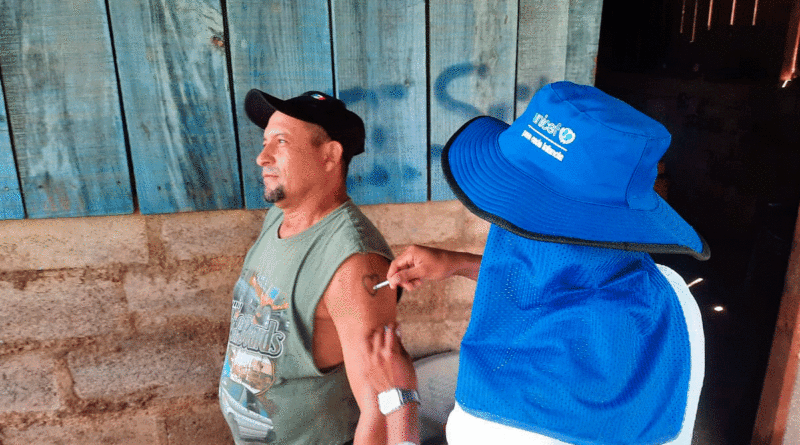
418 264
390 365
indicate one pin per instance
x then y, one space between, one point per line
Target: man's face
291 159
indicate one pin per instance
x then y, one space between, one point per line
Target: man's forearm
403 425
371 430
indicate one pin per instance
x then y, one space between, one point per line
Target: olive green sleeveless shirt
270 390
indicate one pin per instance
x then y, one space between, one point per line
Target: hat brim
259 107
496 190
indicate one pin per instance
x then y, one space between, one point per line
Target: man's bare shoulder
354 282
365 269
351 308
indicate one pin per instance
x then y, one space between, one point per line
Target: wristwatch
392 399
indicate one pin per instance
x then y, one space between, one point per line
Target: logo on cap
318 96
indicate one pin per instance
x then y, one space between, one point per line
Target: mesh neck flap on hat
583 344
578 166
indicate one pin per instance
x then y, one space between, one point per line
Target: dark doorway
733 171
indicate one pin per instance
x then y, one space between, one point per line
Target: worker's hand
390 366
418 264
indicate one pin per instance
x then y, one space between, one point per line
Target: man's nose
265 157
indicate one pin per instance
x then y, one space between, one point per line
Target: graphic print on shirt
256 341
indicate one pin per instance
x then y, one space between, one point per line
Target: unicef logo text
565 135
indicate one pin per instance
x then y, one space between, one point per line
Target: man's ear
333 154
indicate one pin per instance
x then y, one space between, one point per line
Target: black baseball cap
330 113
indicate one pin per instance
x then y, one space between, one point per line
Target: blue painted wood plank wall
542 45
10 196
281 47
582 42
379 51
557 40
63 108
415 70
173 74
472 65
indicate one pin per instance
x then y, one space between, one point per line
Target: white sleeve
694 324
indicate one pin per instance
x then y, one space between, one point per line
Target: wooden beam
63 107
790 55
780 380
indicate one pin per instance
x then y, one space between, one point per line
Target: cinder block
460 293
27 384
166 367
60 305
449 299
476 230
192 292
425 338
423 303
33 244
419 223
220 233
129 430
200 425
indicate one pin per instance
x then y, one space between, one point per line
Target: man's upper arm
357 310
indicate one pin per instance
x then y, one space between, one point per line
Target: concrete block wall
113 329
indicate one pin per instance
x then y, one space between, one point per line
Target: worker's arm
418 264
357 310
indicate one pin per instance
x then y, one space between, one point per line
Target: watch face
394 398
389 400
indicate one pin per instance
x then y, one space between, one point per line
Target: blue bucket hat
577 167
